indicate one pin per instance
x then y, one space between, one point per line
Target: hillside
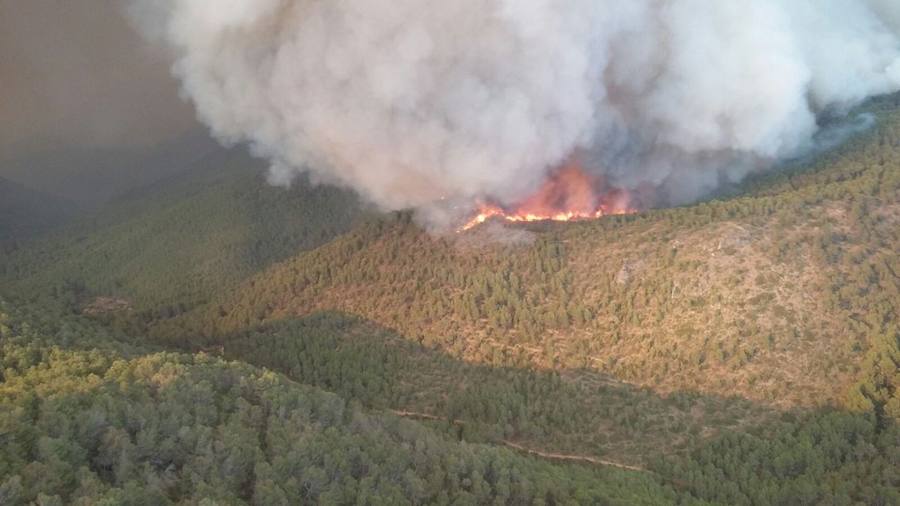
169 246
743 350
91 416
99 427
464 253
784 295
565 411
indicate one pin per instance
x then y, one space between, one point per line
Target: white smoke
416 103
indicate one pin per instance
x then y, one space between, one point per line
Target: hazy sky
75 72
76 80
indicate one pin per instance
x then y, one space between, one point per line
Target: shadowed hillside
88 418
102 427
571 411
172 245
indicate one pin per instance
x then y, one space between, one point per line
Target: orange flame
569 195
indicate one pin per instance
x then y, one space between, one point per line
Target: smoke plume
438 105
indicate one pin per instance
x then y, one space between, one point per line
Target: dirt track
530 451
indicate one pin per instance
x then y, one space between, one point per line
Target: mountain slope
97 427
89 420
564 411
782 296
739 351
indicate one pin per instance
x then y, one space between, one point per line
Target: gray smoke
418 103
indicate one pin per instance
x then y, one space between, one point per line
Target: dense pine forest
215 340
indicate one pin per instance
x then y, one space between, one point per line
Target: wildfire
569 195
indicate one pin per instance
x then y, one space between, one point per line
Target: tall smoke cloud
419 103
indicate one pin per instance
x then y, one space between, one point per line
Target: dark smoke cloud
419 103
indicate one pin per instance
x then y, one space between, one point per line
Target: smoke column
437 105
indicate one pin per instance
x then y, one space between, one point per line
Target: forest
741 350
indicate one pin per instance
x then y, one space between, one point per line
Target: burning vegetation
570 194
